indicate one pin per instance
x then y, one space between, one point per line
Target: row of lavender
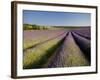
83 39
74 50
84 31
33 37
68 54
46 43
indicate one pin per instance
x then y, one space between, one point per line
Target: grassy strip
39 56
29 43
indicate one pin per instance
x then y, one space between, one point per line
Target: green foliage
34 27
27 27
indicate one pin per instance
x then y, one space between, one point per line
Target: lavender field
56 47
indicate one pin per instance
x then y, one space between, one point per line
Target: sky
48 18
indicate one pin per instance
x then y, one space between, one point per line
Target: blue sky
56 18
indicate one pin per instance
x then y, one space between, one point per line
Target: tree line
34 27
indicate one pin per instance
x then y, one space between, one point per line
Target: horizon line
60 25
